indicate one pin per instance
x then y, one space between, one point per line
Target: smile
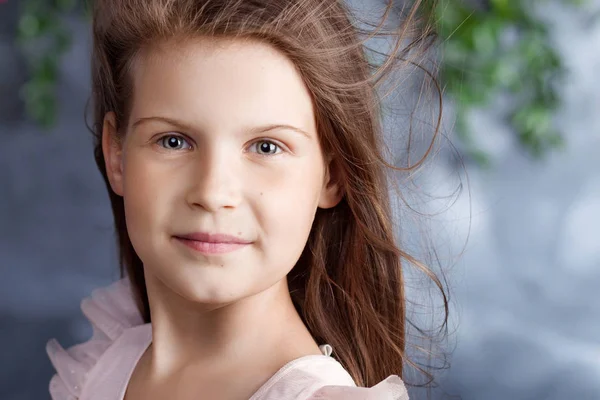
211 247
206 243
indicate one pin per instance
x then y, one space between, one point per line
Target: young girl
241 146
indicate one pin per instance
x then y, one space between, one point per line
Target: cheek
288 206
145 193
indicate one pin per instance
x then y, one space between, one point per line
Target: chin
210 285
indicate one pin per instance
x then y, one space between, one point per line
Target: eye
266 147
174 142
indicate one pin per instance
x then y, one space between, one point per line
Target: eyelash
160 140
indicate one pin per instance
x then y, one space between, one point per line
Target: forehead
222 82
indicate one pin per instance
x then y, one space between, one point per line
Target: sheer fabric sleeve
110 311
391 388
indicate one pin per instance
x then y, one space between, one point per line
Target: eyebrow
254 130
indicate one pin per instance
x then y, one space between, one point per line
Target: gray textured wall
525 288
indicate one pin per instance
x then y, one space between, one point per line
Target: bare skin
228 380
191 160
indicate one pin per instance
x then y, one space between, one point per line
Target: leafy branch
43 38
500 48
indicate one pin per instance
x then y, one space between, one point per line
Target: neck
261 330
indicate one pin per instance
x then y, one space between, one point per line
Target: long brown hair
348 284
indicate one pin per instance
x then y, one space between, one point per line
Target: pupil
173 142
265 147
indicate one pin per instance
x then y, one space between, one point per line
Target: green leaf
63 41
65 5
485 37
47 70
29 26
481 158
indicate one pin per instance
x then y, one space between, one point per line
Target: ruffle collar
112 310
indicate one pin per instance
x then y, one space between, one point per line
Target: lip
212 243
213 238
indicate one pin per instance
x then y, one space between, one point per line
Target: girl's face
221 139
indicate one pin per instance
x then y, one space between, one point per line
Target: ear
331 193
113 153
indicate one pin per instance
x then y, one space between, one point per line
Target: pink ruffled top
100 368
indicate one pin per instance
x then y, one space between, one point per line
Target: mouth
212 243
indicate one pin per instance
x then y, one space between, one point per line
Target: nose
214 181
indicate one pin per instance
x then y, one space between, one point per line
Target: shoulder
111 310
391 388
324 378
